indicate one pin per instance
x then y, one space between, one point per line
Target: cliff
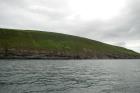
15 43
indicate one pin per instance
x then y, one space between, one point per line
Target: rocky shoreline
44 54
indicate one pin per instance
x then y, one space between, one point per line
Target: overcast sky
114 22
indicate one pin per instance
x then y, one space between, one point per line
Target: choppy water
69 76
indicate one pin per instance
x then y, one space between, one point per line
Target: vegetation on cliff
16 43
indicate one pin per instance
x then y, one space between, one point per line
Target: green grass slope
38 44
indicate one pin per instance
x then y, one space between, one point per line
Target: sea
70 76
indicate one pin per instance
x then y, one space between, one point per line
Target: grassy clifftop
39 44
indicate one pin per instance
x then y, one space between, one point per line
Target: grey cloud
120 44
54 15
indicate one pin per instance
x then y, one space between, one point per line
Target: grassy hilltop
16 43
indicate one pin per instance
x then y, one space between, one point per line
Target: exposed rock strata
44 54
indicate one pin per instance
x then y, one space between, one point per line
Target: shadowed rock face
43 54
47 45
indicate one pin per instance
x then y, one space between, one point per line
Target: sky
115 22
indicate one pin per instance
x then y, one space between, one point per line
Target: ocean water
69 76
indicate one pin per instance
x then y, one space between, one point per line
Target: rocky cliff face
44 54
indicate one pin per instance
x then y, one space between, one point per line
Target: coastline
64 57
